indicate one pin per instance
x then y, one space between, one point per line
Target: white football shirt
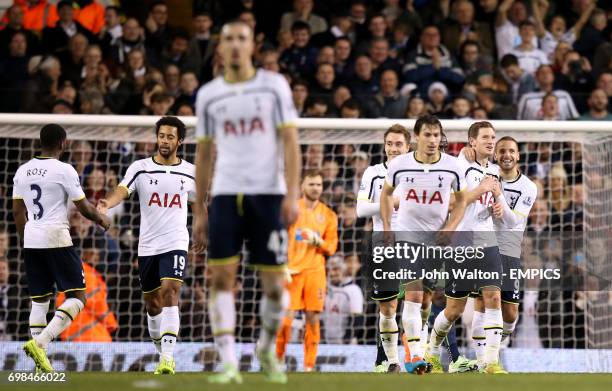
424 190
340 303
164 193
370 190
478 217
520 194
46 185
245 120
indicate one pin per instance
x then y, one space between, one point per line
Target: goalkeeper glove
310 237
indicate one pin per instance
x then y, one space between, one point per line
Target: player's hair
427 119
507 138
476 126
174 122
52 136
397 128
237 21
311 173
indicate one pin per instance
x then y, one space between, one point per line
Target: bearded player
249 116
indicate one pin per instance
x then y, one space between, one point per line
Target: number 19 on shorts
179 265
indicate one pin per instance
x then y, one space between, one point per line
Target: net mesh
549 318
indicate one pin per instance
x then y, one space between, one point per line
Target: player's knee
388 308
312 317
510 313
274 293
153 305
79 295
170 294
491 298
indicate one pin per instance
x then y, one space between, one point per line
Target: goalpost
577 238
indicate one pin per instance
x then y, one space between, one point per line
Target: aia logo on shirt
166 200
487 199
243 127
425 197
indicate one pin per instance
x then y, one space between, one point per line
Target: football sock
38 317
222 313
271 314
380 351
451 344
312 336
493 326
508 329
64 315
412 323
478 335
283 337
389 336
439 331
169 328
154 323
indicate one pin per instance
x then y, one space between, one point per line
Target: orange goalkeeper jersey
320 219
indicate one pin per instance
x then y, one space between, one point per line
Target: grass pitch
324 382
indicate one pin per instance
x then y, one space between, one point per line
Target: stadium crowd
495 59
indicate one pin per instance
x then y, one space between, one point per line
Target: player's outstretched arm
119 194
20 215
203 172
293 167
91 213
386 206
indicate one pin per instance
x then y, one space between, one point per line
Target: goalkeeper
312 238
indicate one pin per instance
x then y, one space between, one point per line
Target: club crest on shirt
320 218
527 201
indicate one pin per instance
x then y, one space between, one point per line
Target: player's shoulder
451 162
211 89
269 78
528 184
141 163
187 167
493 168
401 160
327 210
375 170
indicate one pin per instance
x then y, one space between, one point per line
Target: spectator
203 44
403 42
461 108
389 102
377 28
592 35
416 107
185 110
437 94
363 84
358 14
598 107
463 28
41 89
550 108
510 14
172 79
326 54
343 65
300 58
472 61
381 61
73 59
349 226
341 28
323 87
82 153
112 31
15 25
90 15
91 101
62 107
7 296
299 92
343 303
96 322
576 76
94 74
14 74
530 58
350 109
432 62
358 164
604 82
158 33
37 14
269 60
316 107
520 82
132 38
539 217
332 185
302 11
176 53
4 240
313 156
559 55
188 88
530 103
563 214
486 100
557 29
54 39
341 95
161 103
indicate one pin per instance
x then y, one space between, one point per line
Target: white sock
439 331
154 323
424 337
425 314
508 329
271 313
478 336
411 321
62 319
388 337
38 317
493 326
169 328
222 313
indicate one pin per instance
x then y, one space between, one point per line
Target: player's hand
105 222
487 184
388 238
102 206
443 238
289 210
498 210
497 189
200 234
311 237
469 154
396 202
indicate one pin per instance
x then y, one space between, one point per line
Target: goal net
570 228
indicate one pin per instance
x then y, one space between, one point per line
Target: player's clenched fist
200 234
102 205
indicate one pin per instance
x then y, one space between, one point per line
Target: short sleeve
129 180
72 184
365 188
526 201
391 170
356 299
461 166
191 193
204 122
285 112
17 188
